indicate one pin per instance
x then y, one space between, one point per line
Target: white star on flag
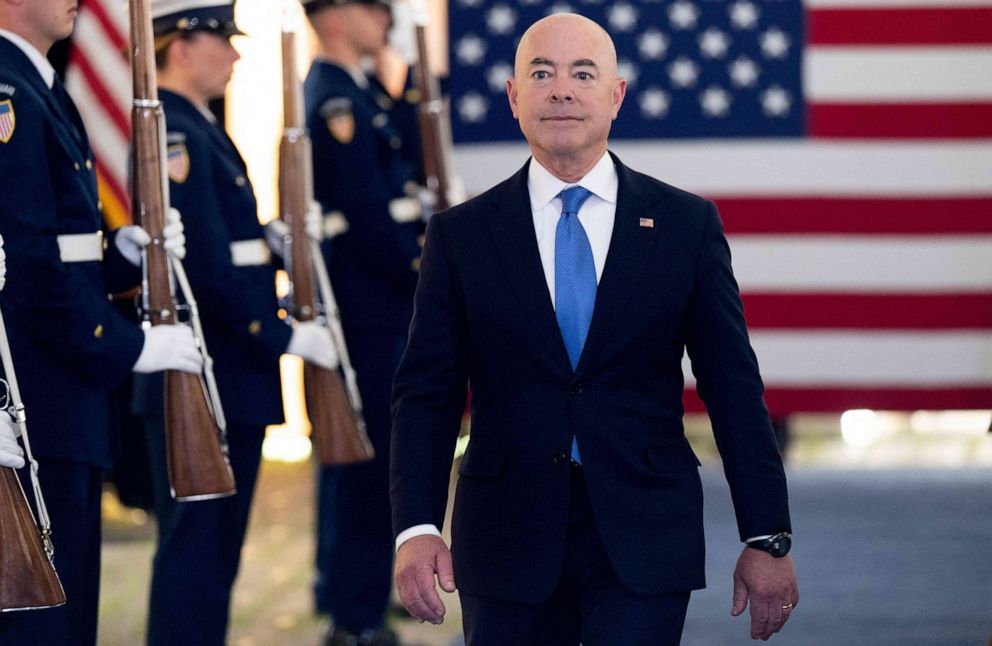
714 43
654 103
497 74
470 50
622 16
683 72
775 101
774 43
683 15
715 101
743 72
473 108
501 20
652 44
743 14
627 69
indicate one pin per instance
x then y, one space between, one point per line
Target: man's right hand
11 454
418 561
169 347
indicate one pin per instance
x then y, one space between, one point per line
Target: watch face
780 545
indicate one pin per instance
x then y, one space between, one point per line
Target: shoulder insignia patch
340 119
7 88
178 163
7 120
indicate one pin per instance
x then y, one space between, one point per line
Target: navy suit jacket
69 345
483 317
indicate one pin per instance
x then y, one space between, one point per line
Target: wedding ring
789 607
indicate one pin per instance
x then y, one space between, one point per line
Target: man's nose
562 93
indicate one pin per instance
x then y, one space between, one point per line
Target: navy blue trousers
354 530
72 495
589 605
199 546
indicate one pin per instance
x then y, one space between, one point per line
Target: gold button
89 164
240 181
76 166
255 327
415 264
98 332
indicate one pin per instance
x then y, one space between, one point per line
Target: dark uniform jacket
363 173
208 182
69 346
484 315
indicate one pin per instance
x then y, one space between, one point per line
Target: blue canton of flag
694 69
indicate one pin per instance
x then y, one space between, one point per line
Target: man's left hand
770 585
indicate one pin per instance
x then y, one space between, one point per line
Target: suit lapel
630 247
511 221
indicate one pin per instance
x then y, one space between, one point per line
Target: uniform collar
37 58
353 71
543 187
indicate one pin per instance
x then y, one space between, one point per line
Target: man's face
52 20
368 26
565 92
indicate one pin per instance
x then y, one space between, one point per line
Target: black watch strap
777 545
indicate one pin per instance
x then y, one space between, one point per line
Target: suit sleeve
223 293
728 381
429 393
342 181
60 307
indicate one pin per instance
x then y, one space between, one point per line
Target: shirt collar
601 181
37 59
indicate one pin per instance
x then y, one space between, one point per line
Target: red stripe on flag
869 311
902 26
784 401
115 36
856 215
900 120
78 58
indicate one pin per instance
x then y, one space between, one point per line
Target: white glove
173 234
11 454
276 231
313 221
131 239
169 347
3 265
313 342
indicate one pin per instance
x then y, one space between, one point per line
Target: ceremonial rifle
28 579
337 426
196 444
432 117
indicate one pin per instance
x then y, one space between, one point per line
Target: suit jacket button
576 389
560 458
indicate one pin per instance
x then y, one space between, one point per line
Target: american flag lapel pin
647 223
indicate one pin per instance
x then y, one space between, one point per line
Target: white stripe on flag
880 264
884 358
897 74
107 63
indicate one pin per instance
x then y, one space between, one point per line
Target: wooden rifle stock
28 579
195 444
337 427
435 130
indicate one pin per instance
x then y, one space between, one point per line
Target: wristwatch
777 545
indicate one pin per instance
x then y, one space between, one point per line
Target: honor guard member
232 274
365 185
71 345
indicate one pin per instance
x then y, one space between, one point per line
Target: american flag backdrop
99 79
848 145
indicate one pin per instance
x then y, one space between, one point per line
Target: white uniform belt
405 209
81 247
250 253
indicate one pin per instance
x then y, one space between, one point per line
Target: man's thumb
740 598
445 571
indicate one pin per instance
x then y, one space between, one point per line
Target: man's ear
511 94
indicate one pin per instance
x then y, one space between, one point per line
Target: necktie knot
572 199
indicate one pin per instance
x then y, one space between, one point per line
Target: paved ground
893 557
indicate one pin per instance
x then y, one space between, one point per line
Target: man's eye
540 75
583 76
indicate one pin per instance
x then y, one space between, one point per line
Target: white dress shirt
37 58
596 214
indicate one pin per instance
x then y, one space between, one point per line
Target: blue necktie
575 279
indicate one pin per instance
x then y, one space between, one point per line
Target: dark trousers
354 531
589 605
72 495
199 546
